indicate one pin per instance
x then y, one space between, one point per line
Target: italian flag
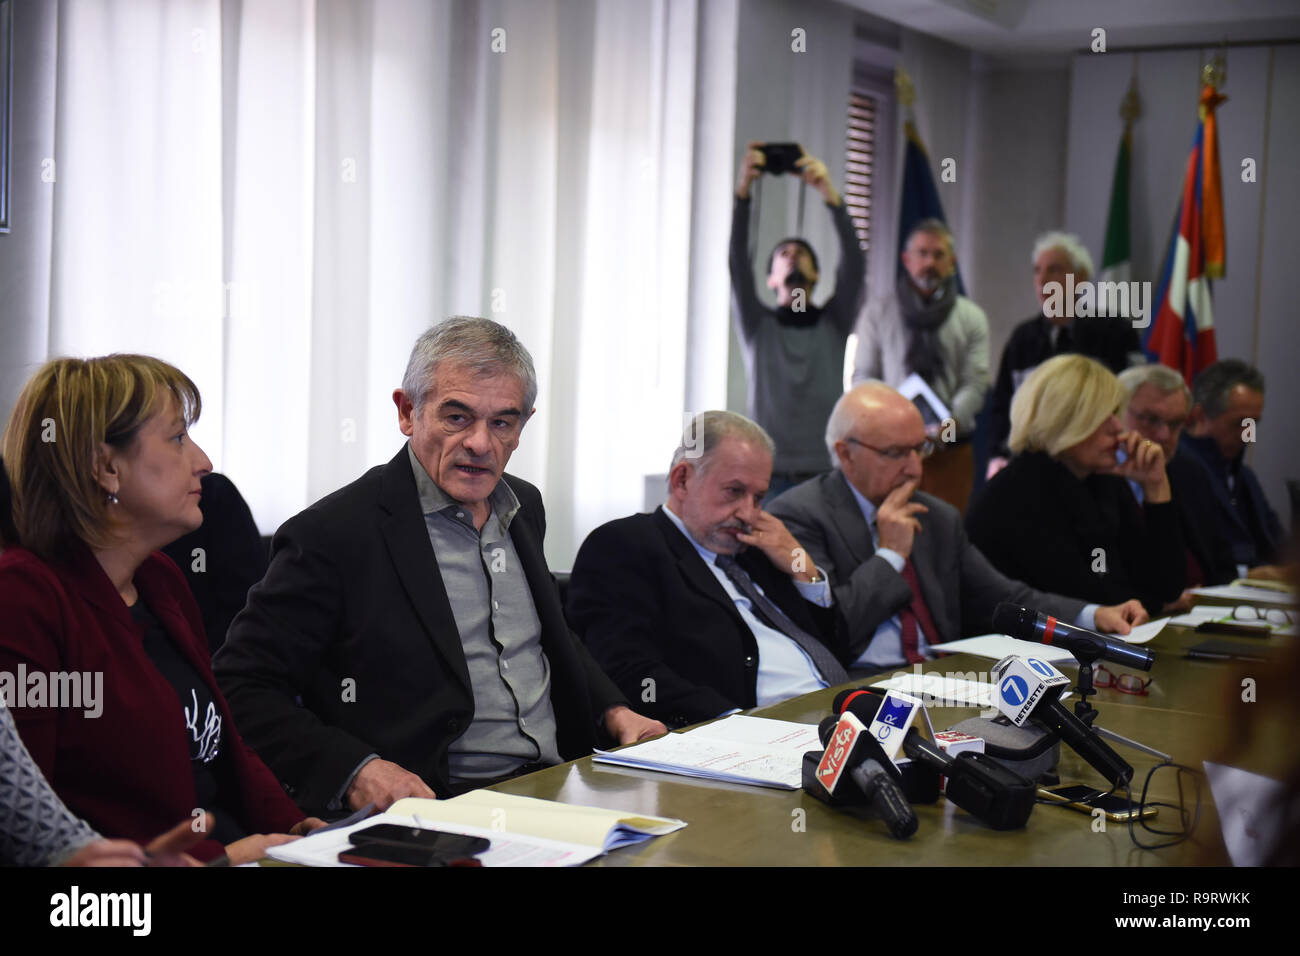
1115 265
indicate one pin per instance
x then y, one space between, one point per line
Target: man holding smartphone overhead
794 352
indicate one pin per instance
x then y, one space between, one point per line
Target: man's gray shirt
499 629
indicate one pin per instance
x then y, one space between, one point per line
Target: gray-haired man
1060 261
708 604
1225 418
412 612
1158 403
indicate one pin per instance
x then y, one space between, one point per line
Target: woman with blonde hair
1084 508
116 699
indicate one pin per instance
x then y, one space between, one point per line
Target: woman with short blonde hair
104 474
1061 403
1084 508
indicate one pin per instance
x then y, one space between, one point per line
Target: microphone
852 756
920 784
1029 689
1087 646
980 785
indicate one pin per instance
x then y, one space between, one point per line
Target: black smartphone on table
390 844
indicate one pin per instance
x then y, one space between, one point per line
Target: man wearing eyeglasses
903 573
1158 403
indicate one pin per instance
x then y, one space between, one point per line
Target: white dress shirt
784 669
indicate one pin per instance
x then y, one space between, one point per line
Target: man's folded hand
383 783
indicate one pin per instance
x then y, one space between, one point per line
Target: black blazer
649 609
1037 522
352 617
1198 514
1247 519
234 558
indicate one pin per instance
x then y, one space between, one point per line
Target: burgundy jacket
127 772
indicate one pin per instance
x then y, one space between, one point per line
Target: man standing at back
923 327
1061 262
794 353
408 638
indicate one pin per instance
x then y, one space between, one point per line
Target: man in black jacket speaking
412 612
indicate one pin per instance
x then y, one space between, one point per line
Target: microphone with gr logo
853 761
1039 628
1029 689
977 783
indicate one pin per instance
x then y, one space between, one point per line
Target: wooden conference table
1184 714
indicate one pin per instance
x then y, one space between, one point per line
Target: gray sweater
796 372
963 342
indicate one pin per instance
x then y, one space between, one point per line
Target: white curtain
279 196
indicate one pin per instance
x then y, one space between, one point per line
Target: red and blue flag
1182 332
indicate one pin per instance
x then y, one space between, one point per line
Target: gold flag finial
1215 73
904 88
1130 107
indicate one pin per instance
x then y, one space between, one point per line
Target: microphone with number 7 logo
1029 689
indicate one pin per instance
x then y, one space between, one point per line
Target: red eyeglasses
1124 683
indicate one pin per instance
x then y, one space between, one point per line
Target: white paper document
918 391
1248 806
942 690
998 646
1245 594
529 816
1142 633
1274 620
738 749
322 849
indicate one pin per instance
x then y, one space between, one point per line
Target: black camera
780 158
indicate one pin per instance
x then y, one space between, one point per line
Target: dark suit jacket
1111 342
1251 524
960 587
1198 515
127 772
648 607
234 558
354 594
1037 521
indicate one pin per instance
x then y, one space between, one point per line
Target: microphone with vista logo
1088 646
1029 689
854 761
980 785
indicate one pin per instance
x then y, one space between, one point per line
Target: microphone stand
1084 687
1120 739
